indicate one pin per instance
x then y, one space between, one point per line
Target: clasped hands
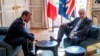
72 35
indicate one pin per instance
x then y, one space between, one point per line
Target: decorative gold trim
13 8
16 7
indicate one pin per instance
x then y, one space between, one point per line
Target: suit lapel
76 22
22 21
82 23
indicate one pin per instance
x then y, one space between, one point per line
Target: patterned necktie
76 27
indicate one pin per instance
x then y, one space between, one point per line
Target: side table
47 45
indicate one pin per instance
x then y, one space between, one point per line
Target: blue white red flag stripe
71 7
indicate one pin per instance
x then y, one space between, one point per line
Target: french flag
51 10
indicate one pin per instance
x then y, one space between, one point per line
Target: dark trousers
26 46
64 29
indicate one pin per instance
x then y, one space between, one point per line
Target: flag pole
52 26
70 18
61 20
52 30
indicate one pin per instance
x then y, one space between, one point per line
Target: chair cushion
11 51
66 43
3 30
88 42
2 51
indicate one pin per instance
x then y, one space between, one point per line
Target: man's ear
24 16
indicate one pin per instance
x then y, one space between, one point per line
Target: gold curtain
45 21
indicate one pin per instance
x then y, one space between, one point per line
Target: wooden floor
44 34
40 34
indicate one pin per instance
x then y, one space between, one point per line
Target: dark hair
25 13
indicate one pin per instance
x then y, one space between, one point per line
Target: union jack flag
67 8
71 9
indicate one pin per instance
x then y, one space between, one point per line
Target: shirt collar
23 20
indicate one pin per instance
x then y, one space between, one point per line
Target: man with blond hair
77 30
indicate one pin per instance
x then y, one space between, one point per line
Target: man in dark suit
18 35
76 30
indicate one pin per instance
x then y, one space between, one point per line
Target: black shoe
31 54
52 39
26 55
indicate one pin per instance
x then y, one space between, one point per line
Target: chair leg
86 52
55 51
36 49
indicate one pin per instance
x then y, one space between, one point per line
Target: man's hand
29 40
75 33
71 36
32 36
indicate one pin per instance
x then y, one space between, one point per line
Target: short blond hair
82 10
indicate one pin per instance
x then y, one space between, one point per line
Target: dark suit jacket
17 30
84 27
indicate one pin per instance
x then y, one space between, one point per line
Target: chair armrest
88 42
7 46
3 30
2 51
11 51
94 32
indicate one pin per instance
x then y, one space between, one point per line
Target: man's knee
23 40
75 39
62 26
31 34
66 27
